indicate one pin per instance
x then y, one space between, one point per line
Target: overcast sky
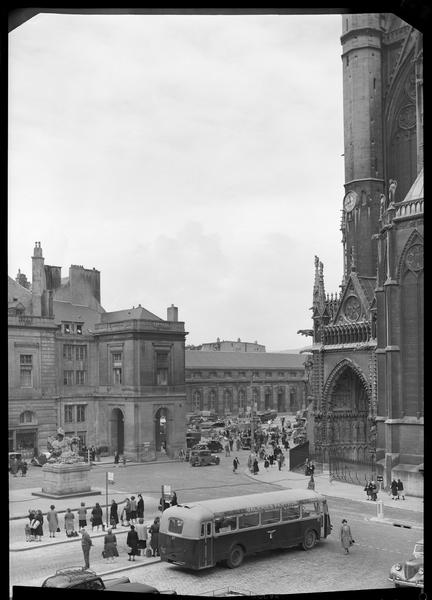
193 160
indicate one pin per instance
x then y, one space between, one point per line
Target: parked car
80 578
409 573
200 457
246 443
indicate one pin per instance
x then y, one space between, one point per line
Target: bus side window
290 513
225 524
202 530
310 509
209 529
249 520
270 516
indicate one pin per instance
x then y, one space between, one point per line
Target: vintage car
200 457
212 445
409 573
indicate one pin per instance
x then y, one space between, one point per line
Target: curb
395 524
132 566
60 512
60 541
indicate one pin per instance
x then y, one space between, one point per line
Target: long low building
228 382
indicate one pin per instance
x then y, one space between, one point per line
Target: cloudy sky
193 160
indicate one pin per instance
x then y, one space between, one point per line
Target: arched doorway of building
161 429
268 399
117 430
281 400
348 407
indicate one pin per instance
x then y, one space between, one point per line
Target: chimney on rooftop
172 313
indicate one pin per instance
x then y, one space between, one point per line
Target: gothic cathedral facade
366 366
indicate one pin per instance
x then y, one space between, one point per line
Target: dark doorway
117 431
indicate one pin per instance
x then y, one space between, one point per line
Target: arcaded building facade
115 379
231 382
366 363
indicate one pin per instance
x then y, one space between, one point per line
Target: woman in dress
52 519
69 522
114 514
38 529
154 541
132 542
140 507
345 536
110 546
133 510
96 519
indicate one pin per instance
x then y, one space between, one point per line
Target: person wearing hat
345 536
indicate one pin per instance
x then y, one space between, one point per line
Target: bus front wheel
235 557
309 539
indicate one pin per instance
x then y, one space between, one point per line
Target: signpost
109 478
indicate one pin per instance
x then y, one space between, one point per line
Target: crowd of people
18 465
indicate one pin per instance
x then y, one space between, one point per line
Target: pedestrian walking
69 522
116 457
271 459
127 512
24 468
311 483
132 542
133 510
141 530
82 515
236 463
345 536
238 444
140 507
255 467
394 490
52 520
110 546
86 544
367 490
227 449
400 489
154 540
31 515
96 516
266 463
279 461
231 443
114 514
174 501
250 462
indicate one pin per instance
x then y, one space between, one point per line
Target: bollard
380 509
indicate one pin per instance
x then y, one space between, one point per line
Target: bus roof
207 508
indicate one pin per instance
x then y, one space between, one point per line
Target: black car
212 445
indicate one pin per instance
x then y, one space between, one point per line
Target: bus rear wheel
235 557
309 539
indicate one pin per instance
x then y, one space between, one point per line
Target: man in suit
86 544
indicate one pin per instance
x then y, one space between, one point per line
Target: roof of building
18 293
236 360
66 311
128 314
368 285
416 191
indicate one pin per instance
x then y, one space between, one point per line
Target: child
27 532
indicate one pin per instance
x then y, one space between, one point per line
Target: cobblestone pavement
322 569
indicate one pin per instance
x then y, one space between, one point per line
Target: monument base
63 480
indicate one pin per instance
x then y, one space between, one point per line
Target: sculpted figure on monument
63 449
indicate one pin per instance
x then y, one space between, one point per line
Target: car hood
140 588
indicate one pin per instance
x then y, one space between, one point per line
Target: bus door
206 554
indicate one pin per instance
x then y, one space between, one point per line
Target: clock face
350 201
352 308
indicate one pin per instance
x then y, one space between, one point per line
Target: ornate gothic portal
344 431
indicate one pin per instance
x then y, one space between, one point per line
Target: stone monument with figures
65 472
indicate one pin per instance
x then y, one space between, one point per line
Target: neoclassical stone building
116 379
366 364
228 382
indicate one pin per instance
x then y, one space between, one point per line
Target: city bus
198 535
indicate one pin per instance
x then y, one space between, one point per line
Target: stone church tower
366 381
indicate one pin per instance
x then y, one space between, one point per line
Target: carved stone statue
63 449
392 190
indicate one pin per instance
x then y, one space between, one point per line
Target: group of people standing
397 490
17 465
133 510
